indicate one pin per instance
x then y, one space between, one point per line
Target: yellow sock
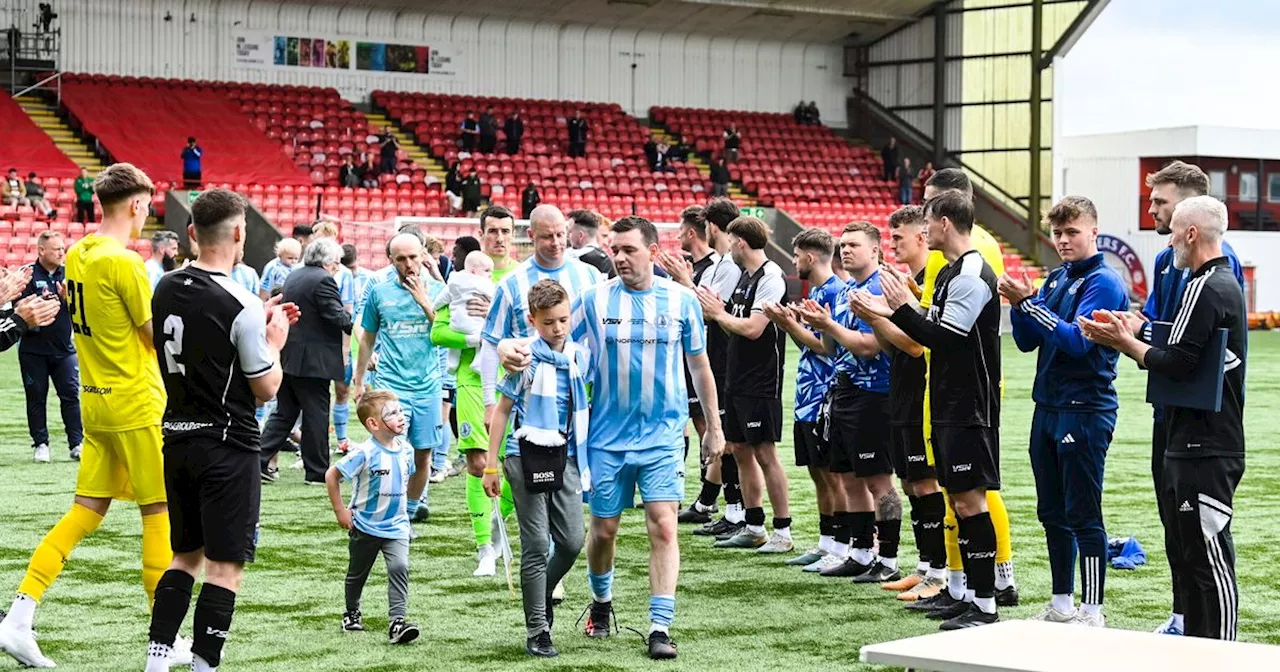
55 548
951 534
156 552
1000 520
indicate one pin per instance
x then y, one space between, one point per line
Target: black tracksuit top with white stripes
1212 300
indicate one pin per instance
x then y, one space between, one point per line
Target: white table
1036 646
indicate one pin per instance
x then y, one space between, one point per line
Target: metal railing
57 76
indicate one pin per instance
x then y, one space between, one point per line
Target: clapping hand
896 293
813 314
680 269
868 306
780 315
12 282
1016 290
37 311
712 304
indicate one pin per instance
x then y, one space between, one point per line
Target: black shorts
858 432
752 420
214 494
910 460
811 448
695 404
967 458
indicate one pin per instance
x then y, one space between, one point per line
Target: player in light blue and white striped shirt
244 275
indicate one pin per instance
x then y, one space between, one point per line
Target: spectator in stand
84 197
387 166
529 199
164 256
349 173
192 162
926 172
799 113
470 131
35 194
15 192
366 172
719 178
514 130
662 159
578 130
471 194
732 142
812 115
889 155
583 231
488 131
453 187
48 353
651 152
906 182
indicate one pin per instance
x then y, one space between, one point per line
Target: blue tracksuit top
1167 286
1072 373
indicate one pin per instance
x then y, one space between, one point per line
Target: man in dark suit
312 357
578 135
514 130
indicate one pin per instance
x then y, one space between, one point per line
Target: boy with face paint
378 515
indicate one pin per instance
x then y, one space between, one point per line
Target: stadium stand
28 148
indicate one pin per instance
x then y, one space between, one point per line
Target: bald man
408 363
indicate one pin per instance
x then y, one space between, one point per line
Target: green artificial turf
735 610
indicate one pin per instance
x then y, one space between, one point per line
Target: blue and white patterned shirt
509 314
245 276
380 482
816 370
869 373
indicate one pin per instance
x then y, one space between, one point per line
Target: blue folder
1203 390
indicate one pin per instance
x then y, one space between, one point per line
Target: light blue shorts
659 473
424 422
348 371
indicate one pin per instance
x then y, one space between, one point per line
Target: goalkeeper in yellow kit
122 400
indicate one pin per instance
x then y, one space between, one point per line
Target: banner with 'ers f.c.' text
272 50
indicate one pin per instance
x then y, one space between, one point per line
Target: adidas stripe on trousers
1068 458
1197 499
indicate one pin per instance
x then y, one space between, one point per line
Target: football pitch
735 610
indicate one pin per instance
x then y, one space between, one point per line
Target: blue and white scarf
540 422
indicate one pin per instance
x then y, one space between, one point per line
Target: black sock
686 448
978 545
826 525
755 516
781 523
932 539
173 598
710 493
729 476
864 529
914 502
213 621
844 527
889 532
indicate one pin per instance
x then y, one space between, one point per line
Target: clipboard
1203 390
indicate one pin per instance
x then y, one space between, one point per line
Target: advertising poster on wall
269 50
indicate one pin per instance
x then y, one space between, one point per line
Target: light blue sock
440 455
412 506
341 413
601 585
662 610
260 414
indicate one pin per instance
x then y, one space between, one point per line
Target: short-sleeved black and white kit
210 338
753 410
700 268
906 414
721 277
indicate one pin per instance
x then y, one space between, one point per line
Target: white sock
891 563
756 529
198 664
824 543
955 585
839 550
969 596
1177 621
986 604
922 567
158 657
654 627
862 556
938 574
1091 609
697 506
1063 603
1004 575
784 532
735 513
23 611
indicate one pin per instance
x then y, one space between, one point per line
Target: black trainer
692 515
846 569
402 632
940 601
715 528
731 532
949 612
422 515
352 621
878 573
598 621
660 646
540 646
1007 597
970 618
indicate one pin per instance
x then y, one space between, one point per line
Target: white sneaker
557 593
1097 620
487 564
21 644
41 454
1169 627
826 561
1052 615
777 544
438 476
297 464
75 452
180 653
